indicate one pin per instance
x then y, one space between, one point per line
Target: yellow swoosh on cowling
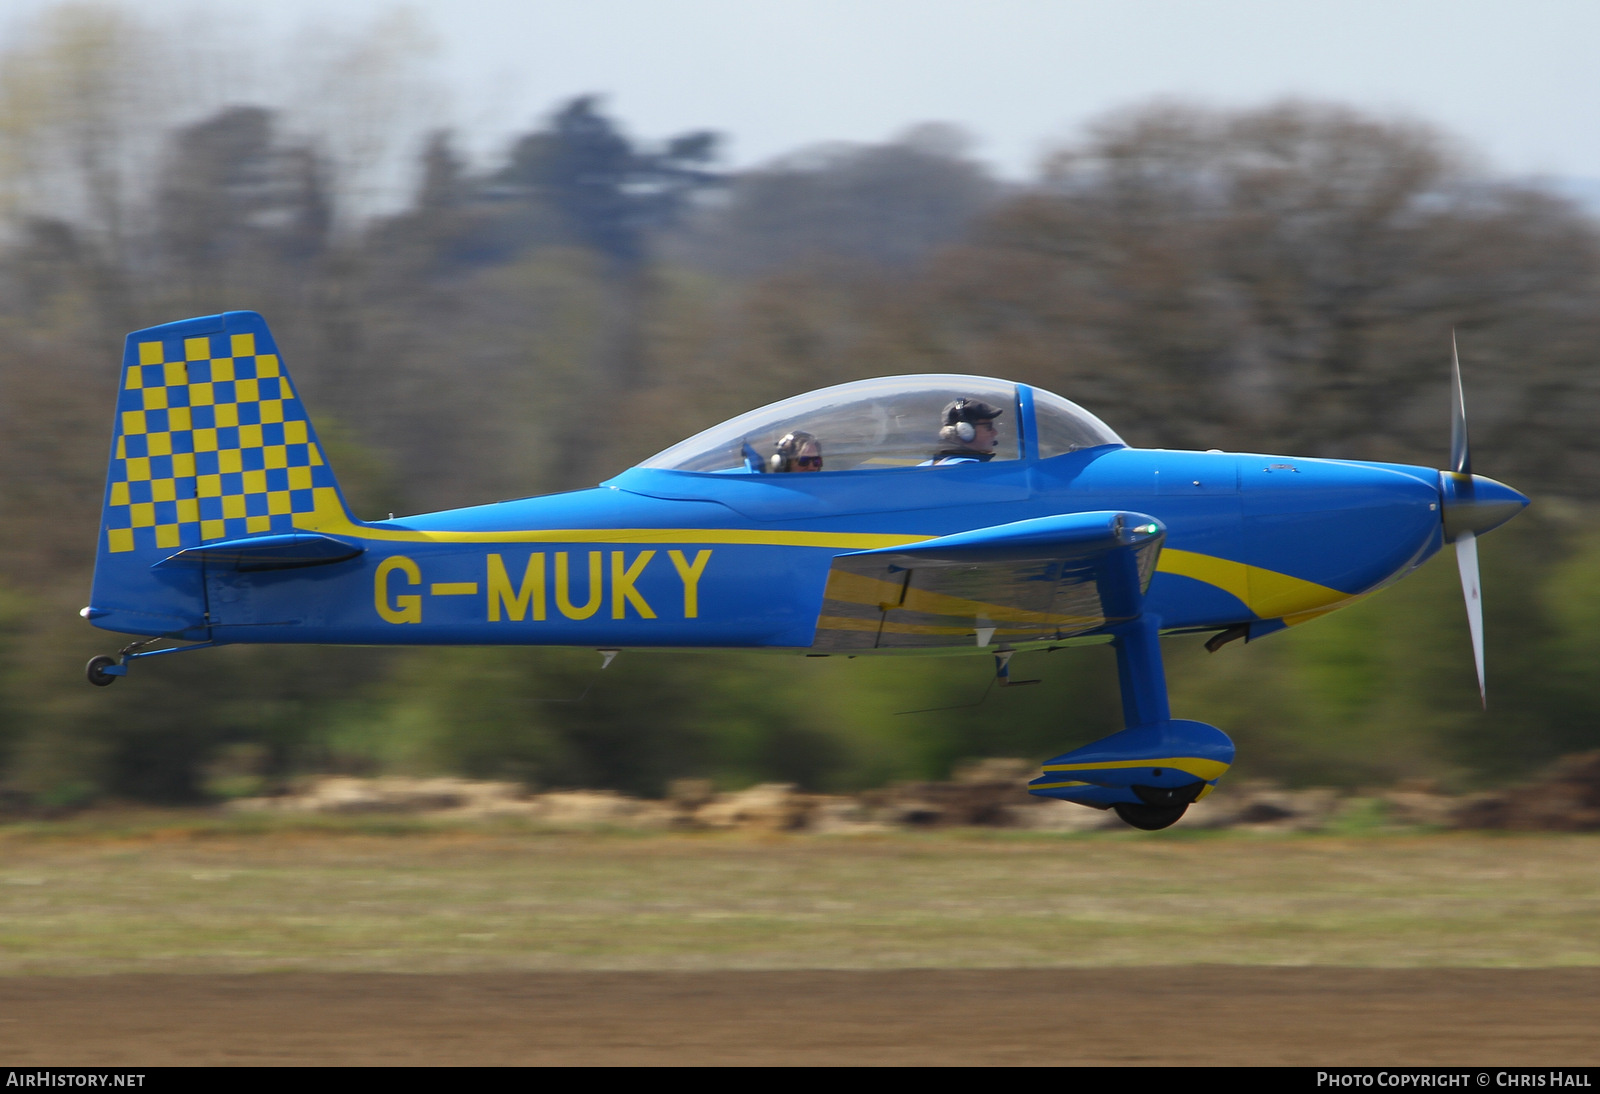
1267 593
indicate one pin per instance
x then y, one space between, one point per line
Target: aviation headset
956 422
789 448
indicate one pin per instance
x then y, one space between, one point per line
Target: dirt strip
1182 1016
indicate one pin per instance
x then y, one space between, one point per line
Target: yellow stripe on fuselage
331 519
1267 593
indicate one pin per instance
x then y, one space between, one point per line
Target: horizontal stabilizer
1027 581
286 552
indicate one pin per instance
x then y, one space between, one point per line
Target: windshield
894 421
1064 426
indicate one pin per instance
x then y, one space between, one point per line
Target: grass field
186 896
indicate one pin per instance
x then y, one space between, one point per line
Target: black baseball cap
970 410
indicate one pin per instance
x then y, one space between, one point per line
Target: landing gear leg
103 671
1143 680
1140 673
1152 771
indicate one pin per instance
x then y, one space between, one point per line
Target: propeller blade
1467 563
1460 452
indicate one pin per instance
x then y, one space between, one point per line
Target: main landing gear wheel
1151 818
1159 806
95 670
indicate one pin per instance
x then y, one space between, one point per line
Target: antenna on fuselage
606 657
1002 677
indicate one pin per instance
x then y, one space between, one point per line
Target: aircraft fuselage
659 558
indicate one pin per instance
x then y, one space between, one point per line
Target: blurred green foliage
1283 279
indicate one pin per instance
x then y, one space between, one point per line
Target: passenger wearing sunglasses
797 451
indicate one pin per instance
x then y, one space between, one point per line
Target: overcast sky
1517 80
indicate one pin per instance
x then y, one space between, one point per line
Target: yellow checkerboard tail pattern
211 441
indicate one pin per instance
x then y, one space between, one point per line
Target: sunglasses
809 461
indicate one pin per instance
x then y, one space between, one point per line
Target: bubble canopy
889 422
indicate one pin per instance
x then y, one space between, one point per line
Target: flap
1029 581
282 552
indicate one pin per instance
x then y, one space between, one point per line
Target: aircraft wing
1029 581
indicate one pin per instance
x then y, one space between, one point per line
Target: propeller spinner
1471 505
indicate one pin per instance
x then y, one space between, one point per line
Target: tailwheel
96 672
1150 818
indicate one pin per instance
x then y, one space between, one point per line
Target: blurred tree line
1283 279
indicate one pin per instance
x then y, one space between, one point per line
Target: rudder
210 443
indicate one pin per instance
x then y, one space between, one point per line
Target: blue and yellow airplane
908 513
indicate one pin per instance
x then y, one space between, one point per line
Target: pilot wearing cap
967 431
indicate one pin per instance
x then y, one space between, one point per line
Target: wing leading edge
1030 581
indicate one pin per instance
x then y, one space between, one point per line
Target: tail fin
210 443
